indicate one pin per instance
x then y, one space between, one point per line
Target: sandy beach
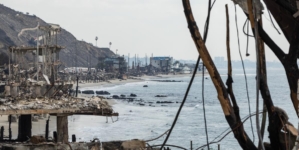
108 83
116 82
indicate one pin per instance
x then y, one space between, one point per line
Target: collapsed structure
28 88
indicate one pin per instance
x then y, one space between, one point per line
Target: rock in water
133 95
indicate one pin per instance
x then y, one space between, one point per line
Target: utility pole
128 61
76 60
90 62
135 61
119 65
133 67
145 59
87 62
77 86
37 57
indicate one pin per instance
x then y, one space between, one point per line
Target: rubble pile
91 104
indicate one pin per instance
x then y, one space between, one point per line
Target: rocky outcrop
12 22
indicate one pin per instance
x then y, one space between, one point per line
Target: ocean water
153 119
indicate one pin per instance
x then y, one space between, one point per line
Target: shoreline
116 82
38 127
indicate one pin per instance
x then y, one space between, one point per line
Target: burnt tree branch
275 124
229 80
283 14
271 44
239 133
289 63
263 71
291 67
290 28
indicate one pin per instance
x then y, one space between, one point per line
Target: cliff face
11 24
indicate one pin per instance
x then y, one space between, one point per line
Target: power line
203 105
244 120
236 20
247 40
247 34
257 119
203 68
192 78
182 104
272 21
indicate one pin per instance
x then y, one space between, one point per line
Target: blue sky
142 27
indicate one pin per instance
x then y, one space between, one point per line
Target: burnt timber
286 15
73 106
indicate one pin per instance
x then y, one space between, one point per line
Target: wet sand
109 83
116 82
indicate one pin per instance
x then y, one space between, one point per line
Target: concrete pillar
25 126
7 90
14 91
62 129
38 91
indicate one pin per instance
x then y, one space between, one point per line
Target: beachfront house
176 65
184 69
113 64
164 64
78 70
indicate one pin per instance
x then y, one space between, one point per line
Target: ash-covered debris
68 103
63 102
30 89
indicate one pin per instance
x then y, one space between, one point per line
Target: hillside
12 22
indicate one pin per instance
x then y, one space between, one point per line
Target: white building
176 65
77 69
185 70
163 63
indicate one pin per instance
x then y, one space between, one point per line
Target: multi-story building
164 64
111 64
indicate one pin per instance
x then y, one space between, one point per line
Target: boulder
88 92
115 96
133 95
160 96
102 93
